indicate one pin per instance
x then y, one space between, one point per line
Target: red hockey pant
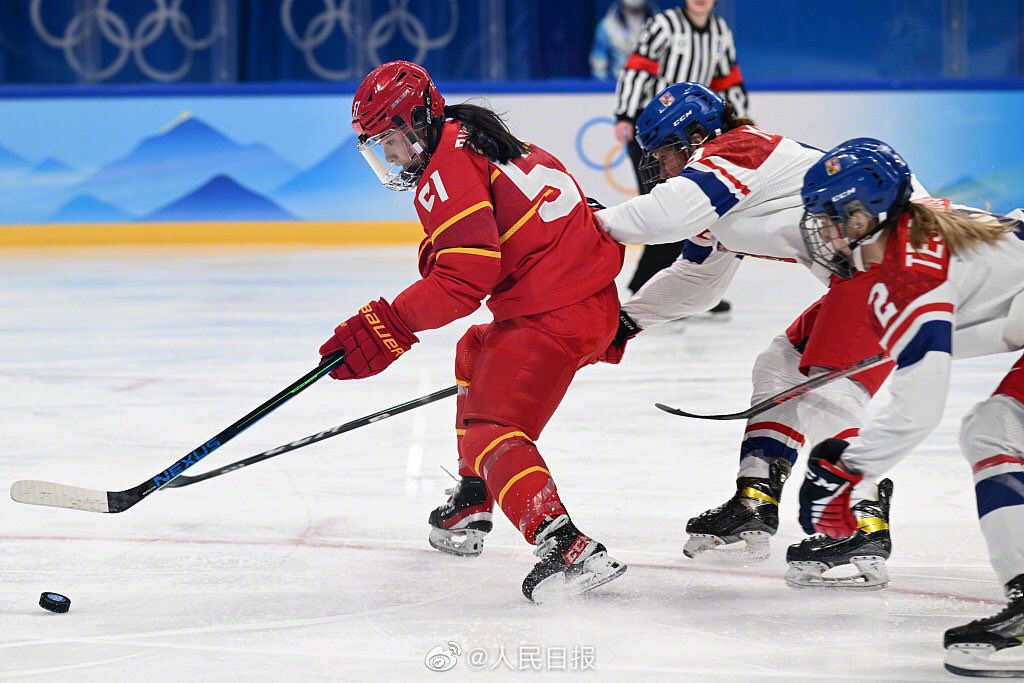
512 375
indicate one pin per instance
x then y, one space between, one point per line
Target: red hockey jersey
520 233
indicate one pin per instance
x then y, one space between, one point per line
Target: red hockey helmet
394 102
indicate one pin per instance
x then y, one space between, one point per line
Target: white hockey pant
833 410
992 440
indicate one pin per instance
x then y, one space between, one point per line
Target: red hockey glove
825 493
627 330
372 340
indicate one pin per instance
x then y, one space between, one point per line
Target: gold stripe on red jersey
526 216
468 250
458 217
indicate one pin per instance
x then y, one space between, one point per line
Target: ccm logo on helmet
682 118
380 330
844 195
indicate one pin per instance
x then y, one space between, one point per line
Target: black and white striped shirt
672 50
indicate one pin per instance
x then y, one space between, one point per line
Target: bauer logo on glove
389 341
372 340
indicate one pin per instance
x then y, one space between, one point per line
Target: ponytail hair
731 121
486 132
960 229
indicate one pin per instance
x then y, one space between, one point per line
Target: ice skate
458 527
740 529
866 550
570 563
969 648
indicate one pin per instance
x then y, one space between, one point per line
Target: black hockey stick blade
186 480
788 394
77 498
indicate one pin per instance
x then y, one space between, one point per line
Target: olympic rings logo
337 14
613 158
113 29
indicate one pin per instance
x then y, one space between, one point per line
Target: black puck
55 602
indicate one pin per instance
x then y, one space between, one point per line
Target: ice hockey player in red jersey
950 284
505 221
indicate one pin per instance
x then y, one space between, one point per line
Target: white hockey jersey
738 195
929 307
743 187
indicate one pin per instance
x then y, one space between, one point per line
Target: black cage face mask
828 241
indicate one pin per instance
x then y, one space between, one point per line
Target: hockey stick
185 480
76 498
791 393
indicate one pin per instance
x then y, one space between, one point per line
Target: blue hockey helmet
682 116
857 182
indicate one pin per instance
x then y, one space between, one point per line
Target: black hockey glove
825 492
627 330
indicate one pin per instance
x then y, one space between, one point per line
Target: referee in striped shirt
682 44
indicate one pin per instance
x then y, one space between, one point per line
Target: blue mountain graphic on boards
221 199
32 191
179 159
999 191
341 186
50 165
87 209
12 161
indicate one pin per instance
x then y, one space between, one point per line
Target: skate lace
544 549
546 540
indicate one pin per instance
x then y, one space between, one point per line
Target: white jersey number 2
879 300
533 184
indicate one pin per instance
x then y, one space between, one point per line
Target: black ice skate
969 647
459 526
867 550
571 563
751 517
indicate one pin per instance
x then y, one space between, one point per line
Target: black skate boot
867 549
459 526
751 516
570 562
969 647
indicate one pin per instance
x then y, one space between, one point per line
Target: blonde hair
960 230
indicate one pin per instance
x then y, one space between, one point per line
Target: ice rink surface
314 565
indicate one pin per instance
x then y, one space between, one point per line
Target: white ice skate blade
463 543
871 574
599 569
983 661
754 547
